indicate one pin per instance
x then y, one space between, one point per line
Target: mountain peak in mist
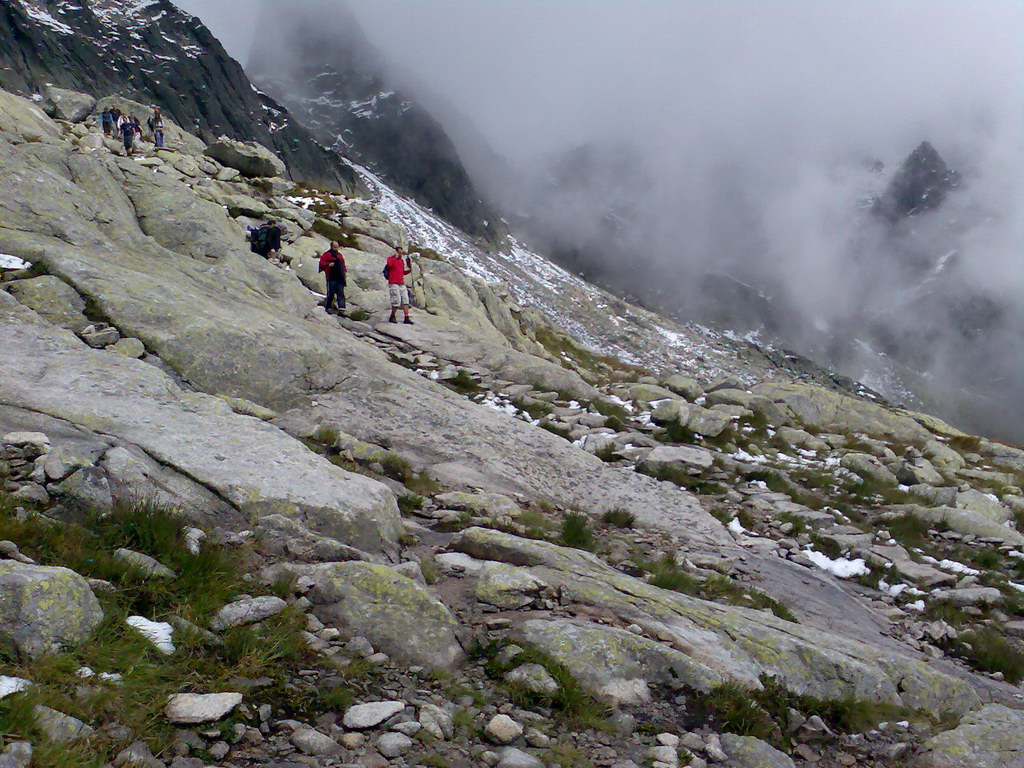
920 184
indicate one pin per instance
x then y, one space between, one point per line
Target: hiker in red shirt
395 271
332 264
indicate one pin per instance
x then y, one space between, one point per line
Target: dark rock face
319 64
921 184
154 53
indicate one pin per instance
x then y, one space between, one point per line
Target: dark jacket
332 264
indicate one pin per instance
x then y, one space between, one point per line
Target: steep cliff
153 52
319 64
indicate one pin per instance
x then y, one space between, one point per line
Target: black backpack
259 241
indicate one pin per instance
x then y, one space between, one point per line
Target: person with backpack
127 130
332 264
395 271
266 241
107 122
156 127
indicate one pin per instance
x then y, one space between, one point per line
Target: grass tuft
619 518
576 531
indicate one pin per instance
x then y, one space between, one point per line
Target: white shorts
399 295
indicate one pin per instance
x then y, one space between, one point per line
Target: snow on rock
841 567
9 685
12 262
157 632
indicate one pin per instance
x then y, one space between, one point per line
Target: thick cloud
748 131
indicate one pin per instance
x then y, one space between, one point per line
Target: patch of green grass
965 443
759 713
409 503
430 569
619 518
666 574
909 530
397 467
986 650
674 432
205 581
683 479
608 454
326 436
537 409
576 532
463 383
826 546
799 524
573 704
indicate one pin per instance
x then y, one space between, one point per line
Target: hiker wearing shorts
395 271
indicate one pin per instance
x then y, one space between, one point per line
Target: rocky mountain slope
154 53
324 70
283 537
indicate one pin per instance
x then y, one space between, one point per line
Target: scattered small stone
368 715
502 729
144 563
192 708
242 612
393 744
313 742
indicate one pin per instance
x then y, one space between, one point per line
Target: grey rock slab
970 596
437 721
44 609
312 742
249 158
701 643
748 752
824 409
682 457
394 744
137 755
148 566
362 716
992 737
194 708
511 757
396 614
492 504
242 612
60 727
53 299
502 729
533 678
67 105
18 754
196 435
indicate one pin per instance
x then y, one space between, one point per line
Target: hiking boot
408 321
392 320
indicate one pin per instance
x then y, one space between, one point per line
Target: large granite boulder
396 614
52 298
67 105
703 642
992 737
23 121
253 466
748 752
44 609
825 410
247 157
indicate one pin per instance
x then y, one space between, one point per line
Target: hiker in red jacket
395 270
332 264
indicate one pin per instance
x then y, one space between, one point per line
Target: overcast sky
751 118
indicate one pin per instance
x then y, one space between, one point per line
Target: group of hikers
116 123
266 241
